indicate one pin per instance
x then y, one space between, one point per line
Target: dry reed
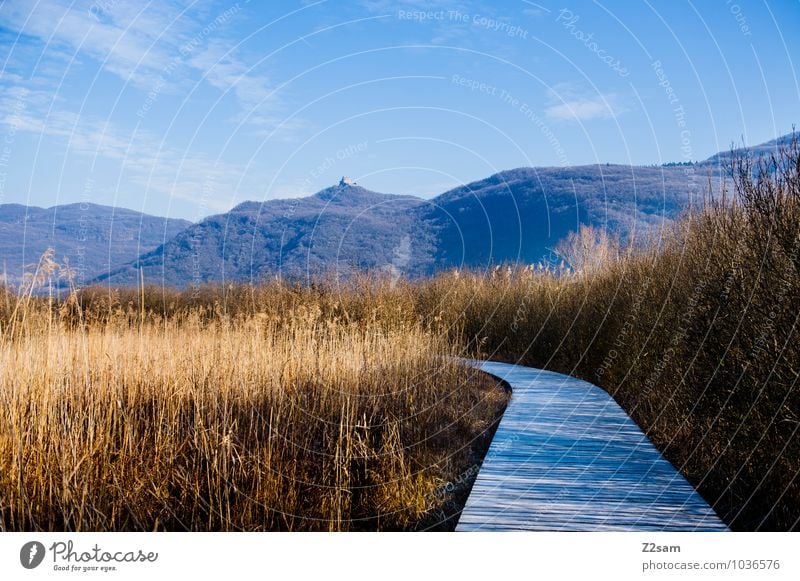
277 420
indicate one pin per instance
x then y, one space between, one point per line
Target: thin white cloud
581 110
154 47
226 73
130 45
567 102
158 49
141 157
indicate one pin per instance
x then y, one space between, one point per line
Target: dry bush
589 250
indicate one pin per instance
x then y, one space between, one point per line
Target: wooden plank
566 457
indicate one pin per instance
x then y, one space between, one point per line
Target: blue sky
188 108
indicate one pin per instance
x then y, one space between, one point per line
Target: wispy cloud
141 157
569 102
223 71
154 48
158 47
131 45
470 24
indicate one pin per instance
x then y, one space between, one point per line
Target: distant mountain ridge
519 215
342 228
93 237
516 215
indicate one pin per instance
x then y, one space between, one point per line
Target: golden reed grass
285 420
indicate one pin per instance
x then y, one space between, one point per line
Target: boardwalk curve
566 457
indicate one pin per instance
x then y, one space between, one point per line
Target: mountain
341 228
723 158
521 214
516 215
92 237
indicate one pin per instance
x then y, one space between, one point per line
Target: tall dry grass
123 416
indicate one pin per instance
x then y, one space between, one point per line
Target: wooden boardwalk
566 457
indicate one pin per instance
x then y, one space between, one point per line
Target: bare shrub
589 250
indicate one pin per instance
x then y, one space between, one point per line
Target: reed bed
286 420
